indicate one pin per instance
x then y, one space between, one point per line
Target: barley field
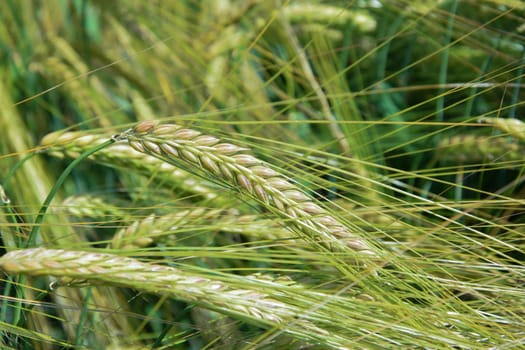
283 174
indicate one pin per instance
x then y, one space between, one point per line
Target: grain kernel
227 148
280 183
260 192
264 171
151 146
189 156
145 126
296 195
169 150
206 140
225 171
185 134
244 182
246 159
210 165
311 208
137 145
166 129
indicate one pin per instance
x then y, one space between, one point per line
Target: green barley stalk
231 166
260 308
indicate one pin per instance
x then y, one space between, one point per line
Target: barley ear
153 228
233 167
514 127
473 148
120 154
264 309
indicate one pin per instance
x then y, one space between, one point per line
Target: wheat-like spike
474 148
142 233
230 164
72 144
260 308
154 278
514 127
154 228
255 226
308 13
90 206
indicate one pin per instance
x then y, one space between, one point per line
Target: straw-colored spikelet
72 144
260 308
230 165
